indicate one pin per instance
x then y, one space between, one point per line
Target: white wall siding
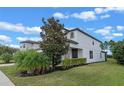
86 44
29 46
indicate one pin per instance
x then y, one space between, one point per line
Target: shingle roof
30 41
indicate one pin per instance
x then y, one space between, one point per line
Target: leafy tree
118 51
6 57
54 42
6 49
105 45
111 44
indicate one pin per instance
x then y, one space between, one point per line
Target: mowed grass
104 73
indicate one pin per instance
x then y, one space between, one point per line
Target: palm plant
32 62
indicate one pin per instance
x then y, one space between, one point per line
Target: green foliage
31 61
104 45
73 62
19 57
111 44
109 56
118 52
54 42
6 57
6 49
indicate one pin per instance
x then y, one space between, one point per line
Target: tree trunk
53 62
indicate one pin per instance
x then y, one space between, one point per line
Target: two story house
81 45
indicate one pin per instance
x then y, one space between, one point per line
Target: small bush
67 63
6 57
32 62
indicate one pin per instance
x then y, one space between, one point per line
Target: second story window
23 45
72 35
93 42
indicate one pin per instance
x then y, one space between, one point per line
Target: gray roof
30 41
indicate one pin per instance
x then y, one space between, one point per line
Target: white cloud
99 10
116 9
90 29
19 28
108 9
108 27
104 31
109 32
60 15
5 39
120 28
86 16
105 16
27 38
14 46
109 37
117 34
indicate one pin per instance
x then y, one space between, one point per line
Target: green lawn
104 73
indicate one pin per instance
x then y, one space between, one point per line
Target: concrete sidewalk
9 64
4 80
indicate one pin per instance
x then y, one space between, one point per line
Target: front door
74 53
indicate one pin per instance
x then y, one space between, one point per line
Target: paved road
4 80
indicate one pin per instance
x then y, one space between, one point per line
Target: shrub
19 57
32 62
109 56
66 63
6 57
118 52
73 62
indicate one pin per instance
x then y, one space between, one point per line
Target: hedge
67 63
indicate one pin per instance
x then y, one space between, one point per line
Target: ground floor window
91 54
74 53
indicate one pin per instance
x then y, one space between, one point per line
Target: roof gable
77 29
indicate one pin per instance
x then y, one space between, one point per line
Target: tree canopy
6 49
54 42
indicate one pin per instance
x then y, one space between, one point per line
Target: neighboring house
28 44
81 45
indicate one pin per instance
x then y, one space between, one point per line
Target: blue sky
18 24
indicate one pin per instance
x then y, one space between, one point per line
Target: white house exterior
87 46
28 44
81 45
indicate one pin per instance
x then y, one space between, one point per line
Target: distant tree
6 57
6 49
54 40
118 51
105 46
111 44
